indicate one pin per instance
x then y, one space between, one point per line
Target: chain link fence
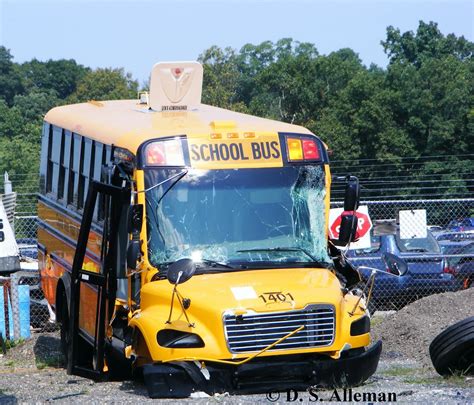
17 308
434 237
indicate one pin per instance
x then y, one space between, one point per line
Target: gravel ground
32 372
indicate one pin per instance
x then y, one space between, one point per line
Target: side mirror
395 264
347 229
133 252
135 219
180 271
351 195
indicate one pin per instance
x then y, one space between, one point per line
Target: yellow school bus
189 243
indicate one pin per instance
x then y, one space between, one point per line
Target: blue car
428 272
461 225
461 264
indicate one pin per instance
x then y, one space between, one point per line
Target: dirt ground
32 372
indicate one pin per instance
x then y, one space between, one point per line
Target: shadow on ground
47 350
8 399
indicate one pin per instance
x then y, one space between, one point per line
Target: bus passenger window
44 157
98 150
79 181
62 170
54 155
66 163
73 198
84 175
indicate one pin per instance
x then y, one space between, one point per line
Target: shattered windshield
244 216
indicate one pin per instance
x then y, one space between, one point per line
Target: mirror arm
378 271
371 280
180 300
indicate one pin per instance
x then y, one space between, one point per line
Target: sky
136 34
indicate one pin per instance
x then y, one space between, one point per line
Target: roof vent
176 86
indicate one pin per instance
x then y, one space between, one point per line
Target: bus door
103 281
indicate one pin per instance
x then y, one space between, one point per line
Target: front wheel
84 349
65 332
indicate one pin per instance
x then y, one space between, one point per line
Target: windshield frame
322 260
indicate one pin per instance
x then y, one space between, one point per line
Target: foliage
105 84
421 104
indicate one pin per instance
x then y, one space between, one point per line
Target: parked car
461 225
427 273
461 264
451 247
441 236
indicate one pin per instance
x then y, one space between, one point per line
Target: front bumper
280 373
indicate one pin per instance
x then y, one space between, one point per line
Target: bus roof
127 124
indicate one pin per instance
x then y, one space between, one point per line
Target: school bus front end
242 295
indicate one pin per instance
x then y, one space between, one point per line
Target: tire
452 351
64 330
84 348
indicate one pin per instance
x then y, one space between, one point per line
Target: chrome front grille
254 332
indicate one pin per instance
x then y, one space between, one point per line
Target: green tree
428 42
221 78
34 105
431 78
60 76
10 78
105 84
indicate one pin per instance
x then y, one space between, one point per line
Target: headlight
360 326
176 339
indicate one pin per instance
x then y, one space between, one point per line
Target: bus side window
66 162
96 173
75 169
54 156
44 157
106 159
62 169
85 172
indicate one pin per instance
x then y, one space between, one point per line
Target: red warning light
177 72
310 150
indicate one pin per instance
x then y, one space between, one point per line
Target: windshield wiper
213 264
280 249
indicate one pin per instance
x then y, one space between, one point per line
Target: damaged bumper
261 375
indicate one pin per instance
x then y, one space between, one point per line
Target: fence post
15 305
7 184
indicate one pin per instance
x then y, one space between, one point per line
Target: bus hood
256 290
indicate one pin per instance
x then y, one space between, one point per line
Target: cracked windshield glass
238 218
